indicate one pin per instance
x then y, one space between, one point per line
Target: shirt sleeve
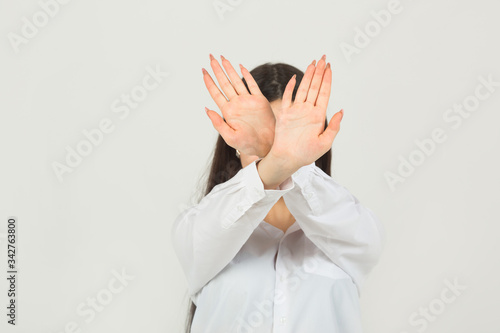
336 222
208 235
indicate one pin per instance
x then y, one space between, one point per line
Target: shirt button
283 320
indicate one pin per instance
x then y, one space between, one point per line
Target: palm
252 120
248 123
300 134
298 130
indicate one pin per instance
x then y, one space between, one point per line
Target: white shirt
227 252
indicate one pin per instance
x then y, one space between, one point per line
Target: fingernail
222 57
241 66
206 110
211 57
203 70
314 62
323 57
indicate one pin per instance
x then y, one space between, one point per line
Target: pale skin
286 134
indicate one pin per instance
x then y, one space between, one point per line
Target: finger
312 94
326 138
252 85
234 77
286 100
214 91
224 82
221 126
326 87
305 82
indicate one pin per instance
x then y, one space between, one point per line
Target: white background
115 209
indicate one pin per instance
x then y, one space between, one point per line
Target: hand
249 118
300 137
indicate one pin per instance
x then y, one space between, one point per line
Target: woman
275 245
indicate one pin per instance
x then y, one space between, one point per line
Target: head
272 80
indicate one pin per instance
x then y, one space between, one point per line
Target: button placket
281 289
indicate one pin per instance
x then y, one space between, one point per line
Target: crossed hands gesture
296 134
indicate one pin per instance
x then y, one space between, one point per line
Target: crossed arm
208 235
288 140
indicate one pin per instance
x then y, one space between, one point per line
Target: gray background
115 209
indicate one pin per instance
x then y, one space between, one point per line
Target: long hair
272 80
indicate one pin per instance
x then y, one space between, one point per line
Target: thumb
332 129
220 125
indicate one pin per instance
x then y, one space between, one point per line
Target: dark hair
272 80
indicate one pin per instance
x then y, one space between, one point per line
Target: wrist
264 152
265 149
273 170
282 161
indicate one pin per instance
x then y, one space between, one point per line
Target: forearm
336 222
208 235
273 171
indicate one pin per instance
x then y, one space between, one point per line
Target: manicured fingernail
313 63
293 77
211 57
323 57
206 110
222 57
328 65
241 66
203 70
